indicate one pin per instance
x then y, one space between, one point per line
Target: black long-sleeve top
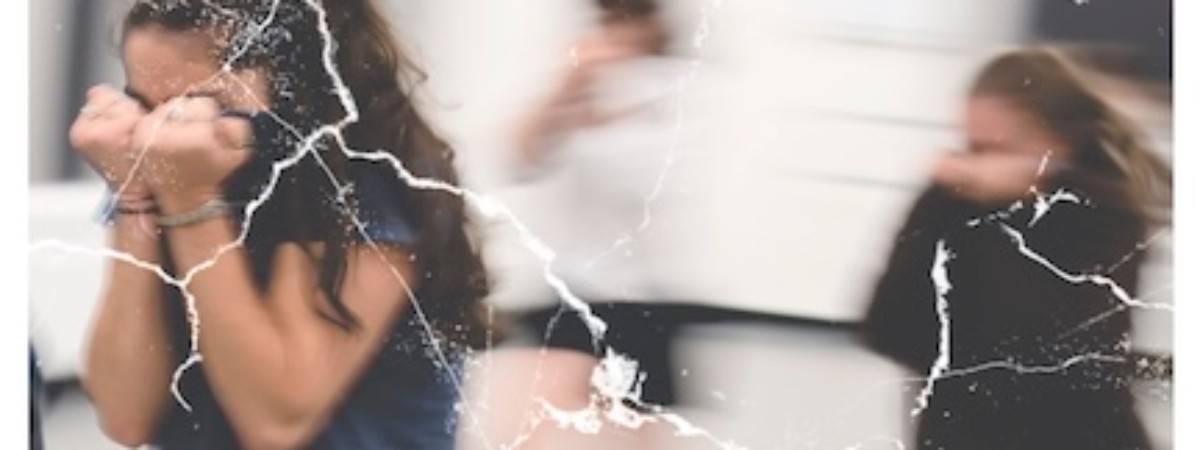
1039 343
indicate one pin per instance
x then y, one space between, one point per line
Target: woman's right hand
103 135
989 178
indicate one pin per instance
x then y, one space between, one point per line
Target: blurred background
800 134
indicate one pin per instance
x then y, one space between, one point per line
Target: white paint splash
1043 203
1025 369
941 282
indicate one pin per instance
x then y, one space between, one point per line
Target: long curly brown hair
284 39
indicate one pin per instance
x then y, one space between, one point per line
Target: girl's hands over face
191 149
103 135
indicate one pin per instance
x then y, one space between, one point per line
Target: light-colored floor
70 424
757 386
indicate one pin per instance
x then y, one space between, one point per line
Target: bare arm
565 108
568 106
127 367
276 367
128 356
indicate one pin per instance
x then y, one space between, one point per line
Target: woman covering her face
341 317
1014 275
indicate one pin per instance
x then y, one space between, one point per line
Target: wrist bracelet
215 207
125 204
145 208
135 205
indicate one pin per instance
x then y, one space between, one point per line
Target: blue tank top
404 400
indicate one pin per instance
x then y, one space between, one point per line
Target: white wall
52 33
47 31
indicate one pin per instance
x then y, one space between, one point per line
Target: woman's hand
990 177
191 150
601 49
103 135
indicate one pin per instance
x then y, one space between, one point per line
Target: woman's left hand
192 150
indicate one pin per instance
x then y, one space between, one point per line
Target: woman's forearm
256 365
276 366
127 366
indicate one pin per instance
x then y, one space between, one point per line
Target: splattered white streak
1096 279
942 286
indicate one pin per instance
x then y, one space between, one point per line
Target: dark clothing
643 331
406 397
405 400
1006 308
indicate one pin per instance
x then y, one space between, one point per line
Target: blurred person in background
341 321
606 129
1055 184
